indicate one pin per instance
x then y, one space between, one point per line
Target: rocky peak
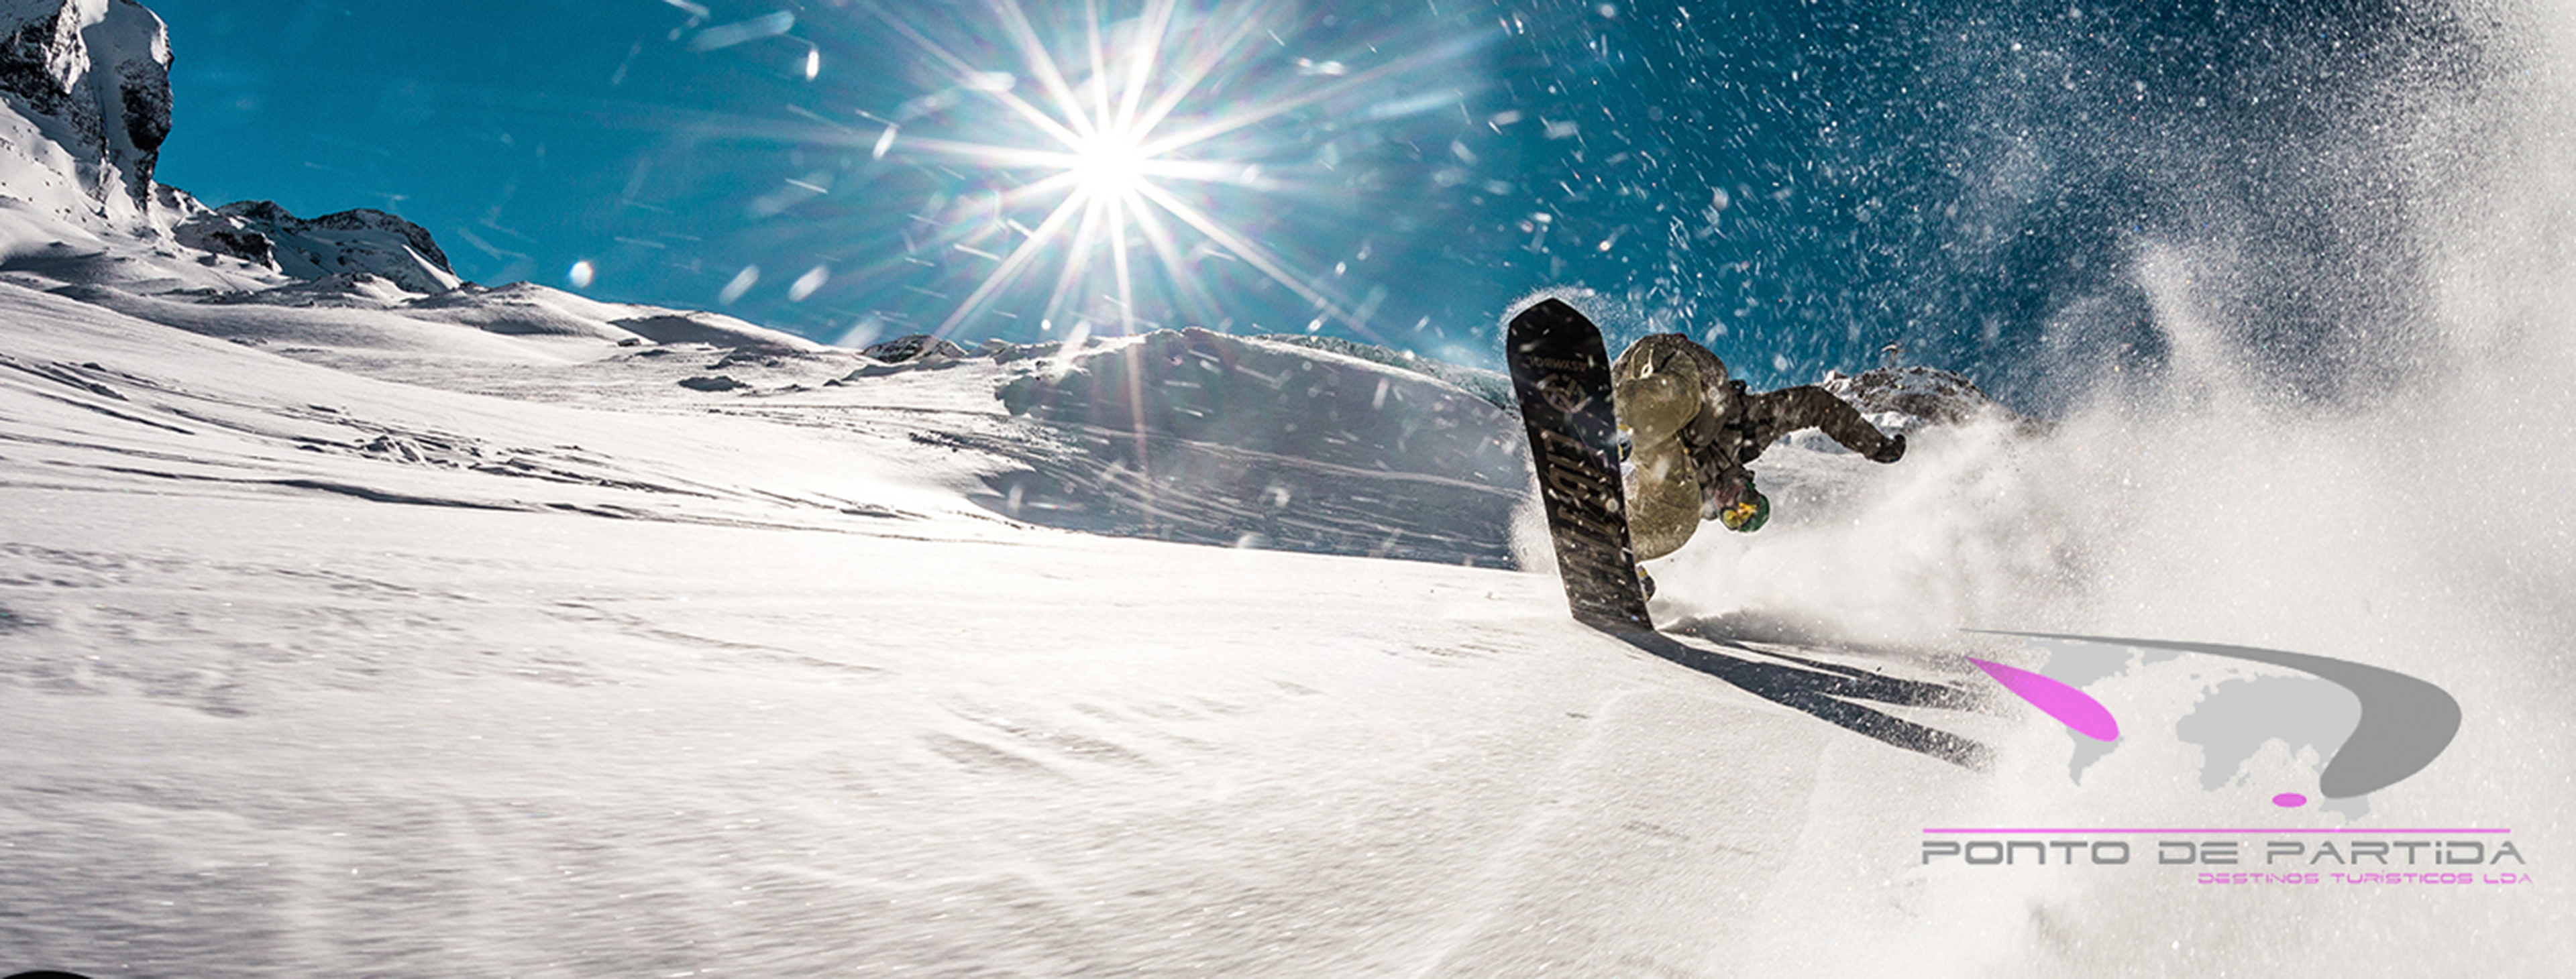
370 219
912 347
344 243
84 108
92 76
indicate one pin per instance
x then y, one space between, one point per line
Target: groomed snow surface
407 648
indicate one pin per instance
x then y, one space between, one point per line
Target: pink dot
2289 800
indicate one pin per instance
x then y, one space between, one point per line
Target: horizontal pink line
2253 830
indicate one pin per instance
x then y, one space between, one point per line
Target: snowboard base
1561 375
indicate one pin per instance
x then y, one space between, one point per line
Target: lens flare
1109 165
1126 155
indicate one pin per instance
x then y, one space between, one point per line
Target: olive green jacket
1692 430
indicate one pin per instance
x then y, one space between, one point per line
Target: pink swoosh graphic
2073 707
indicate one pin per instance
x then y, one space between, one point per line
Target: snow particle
742 283
806 284
728 35
582 274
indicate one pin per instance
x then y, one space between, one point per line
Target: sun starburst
1138 141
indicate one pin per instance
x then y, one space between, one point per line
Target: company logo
2427 856
2404 723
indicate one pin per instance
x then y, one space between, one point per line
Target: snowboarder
1689 431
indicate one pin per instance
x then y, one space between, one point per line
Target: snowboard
1561 375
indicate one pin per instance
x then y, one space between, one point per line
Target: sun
1135 149
1110 164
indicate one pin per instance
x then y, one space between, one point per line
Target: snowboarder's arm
1778 413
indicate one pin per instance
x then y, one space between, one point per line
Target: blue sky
532 136
1795 183
510 129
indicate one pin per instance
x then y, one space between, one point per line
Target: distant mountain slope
355 241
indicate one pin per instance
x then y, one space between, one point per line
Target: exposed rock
370 219
64 62
249 246
144 88
1013 352
912 347
712 382
43 61
349 242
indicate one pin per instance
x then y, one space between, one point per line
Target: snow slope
549 665
754 693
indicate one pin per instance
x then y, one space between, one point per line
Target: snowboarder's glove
1891 451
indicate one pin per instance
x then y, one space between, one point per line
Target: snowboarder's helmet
1747 515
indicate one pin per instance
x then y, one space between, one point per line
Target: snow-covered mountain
89 85
355 242
84 109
